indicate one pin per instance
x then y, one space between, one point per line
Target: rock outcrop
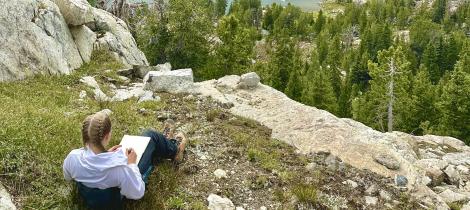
35 39
43 37
393 154
5 199
116 38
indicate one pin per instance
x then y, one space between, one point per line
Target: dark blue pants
158 147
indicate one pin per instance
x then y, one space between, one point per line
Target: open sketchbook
138 143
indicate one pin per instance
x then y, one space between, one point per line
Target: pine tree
333 64
320 22
454 104
431 59
233 55
281 61
388 99
318 90
424 98
189 25
439 10
294 85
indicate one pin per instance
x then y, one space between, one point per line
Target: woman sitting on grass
104 176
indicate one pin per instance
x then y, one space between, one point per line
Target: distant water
307 5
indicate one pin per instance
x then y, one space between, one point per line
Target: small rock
462 169
401 180
452 174
239 208
371 201
163 67
82 94
124 79
249 80
387 161
385 195
219 173
148 96
90 82
218 203
450 196
436 176
263 208
372 190
100 95
351 183
311 166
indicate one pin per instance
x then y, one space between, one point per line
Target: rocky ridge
56 37
428 163
434 169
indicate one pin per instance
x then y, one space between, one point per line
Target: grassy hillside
41 120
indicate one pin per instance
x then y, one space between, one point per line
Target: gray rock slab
177 81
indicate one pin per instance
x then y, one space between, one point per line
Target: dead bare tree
391 96
116 7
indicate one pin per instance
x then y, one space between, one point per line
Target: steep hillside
41 122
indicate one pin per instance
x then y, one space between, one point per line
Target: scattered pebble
218 203
351 183
371 201
219 173
82 94
401 180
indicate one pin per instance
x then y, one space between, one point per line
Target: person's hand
131 156
114 148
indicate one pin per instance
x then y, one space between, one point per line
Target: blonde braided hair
94 128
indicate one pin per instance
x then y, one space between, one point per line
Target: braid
86 130
95 127
100 129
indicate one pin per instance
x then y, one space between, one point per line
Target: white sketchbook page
138 143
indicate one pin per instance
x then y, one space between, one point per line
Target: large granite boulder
84 39
116 38
75 12
35 39
39 37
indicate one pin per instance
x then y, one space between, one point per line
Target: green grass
306 194
40 124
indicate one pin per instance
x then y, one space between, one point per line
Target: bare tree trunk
391 96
